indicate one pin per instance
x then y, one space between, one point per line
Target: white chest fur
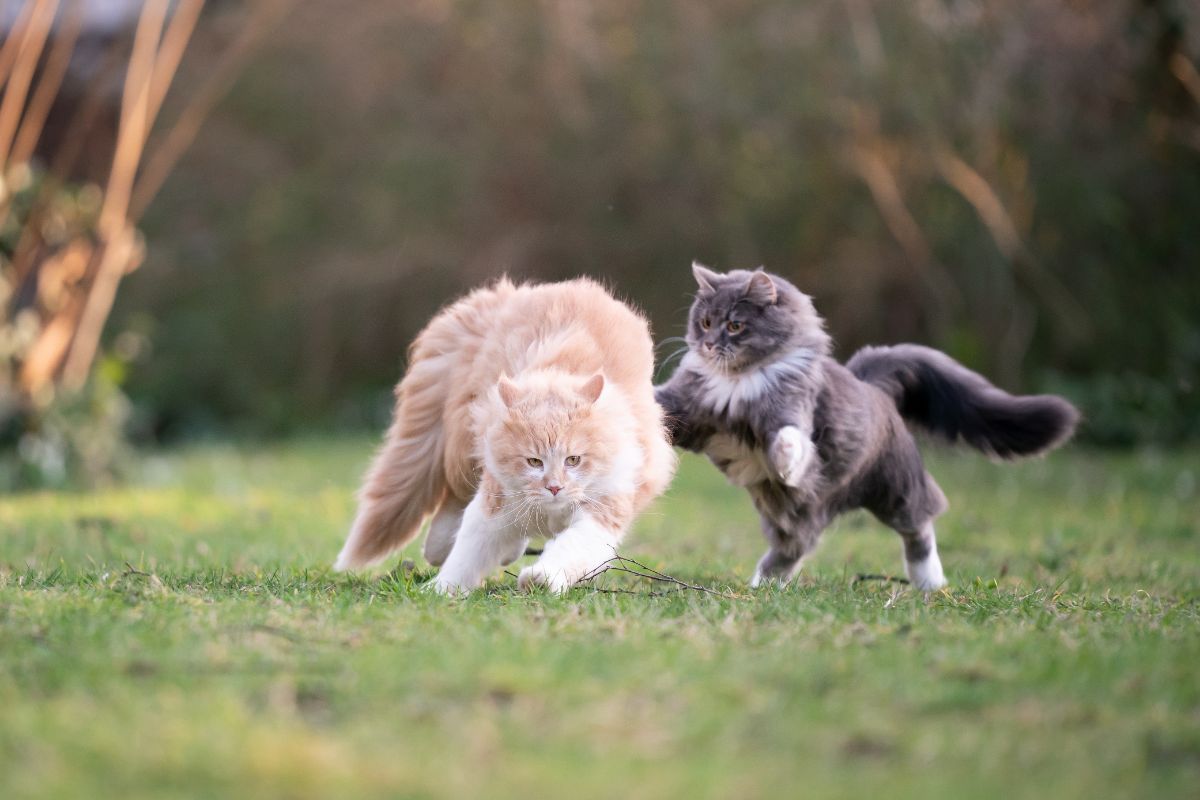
743 465
734 394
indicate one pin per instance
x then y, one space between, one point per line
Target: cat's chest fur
752 401
742 464
742 397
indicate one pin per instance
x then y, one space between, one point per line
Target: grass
182 637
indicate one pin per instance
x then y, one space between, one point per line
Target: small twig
635 594
870 576
132 570
618 564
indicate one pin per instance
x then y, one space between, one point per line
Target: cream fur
506 374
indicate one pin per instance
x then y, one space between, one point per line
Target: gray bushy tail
937 393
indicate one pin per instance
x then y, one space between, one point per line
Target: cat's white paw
926 575
555 580
448 587
791 454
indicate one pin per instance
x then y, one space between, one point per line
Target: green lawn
183 637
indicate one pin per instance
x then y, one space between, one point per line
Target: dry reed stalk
1187 74
975 189
168 152
8 51
70 334
114 231
170 53
16 89
81 124
55 70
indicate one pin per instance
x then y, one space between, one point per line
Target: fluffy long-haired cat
759 394
526 411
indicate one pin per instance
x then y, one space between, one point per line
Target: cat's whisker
681 351
512 513
595 503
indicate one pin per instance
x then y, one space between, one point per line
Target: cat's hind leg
921 561
913 520
442 530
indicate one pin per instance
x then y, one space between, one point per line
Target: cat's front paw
448 586
791 454
538 575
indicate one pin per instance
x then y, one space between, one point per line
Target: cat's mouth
554 502
723 360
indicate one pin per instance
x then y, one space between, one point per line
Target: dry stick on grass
620 564
871 576
514 575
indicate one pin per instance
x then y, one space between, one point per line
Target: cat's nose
554 490
709 345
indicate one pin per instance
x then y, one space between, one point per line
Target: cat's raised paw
791 454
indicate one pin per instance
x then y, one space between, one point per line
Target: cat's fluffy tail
407 480
934 391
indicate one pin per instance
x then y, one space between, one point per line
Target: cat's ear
508 390
761 289
706 279
591 390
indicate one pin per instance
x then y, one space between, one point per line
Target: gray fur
779 364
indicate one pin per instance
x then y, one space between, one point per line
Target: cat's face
549 442
741 319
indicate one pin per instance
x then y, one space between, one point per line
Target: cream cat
526 412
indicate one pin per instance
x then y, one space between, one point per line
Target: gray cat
760 395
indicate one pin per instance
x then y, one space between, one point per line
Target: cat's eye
534 462
705 323
572 461
734 327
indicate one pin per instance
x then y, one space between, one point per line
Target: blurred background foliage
1016 183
